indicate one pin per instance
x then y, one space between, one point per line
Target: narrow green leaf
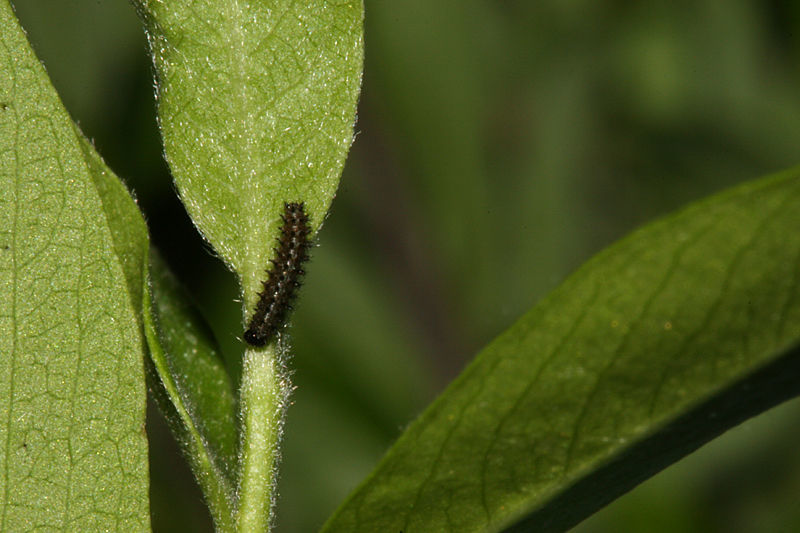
256 103
193 390
655 346
73 453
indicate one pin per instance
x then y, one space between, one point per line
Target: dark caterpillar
283 278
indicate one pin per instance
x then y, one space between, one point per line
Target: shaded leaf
193 390
655 346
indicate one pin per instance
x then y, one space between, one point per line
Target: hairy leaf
256 103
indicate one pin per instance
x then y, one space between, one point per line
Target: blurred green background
500 144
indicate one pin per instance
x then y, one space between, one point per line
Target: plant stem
262 407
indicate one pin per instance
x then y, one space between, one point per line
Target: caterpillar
283 278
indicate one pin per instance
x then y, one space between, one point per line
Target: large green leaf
256 102
655 346
73 452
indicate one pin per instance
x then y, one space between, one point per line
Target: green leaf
655 346
256 103
193 390
73 452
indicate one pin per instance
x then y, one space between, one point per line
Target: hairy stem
263 404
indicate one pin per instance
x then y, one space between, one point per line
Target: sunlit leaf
256 105
72 256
